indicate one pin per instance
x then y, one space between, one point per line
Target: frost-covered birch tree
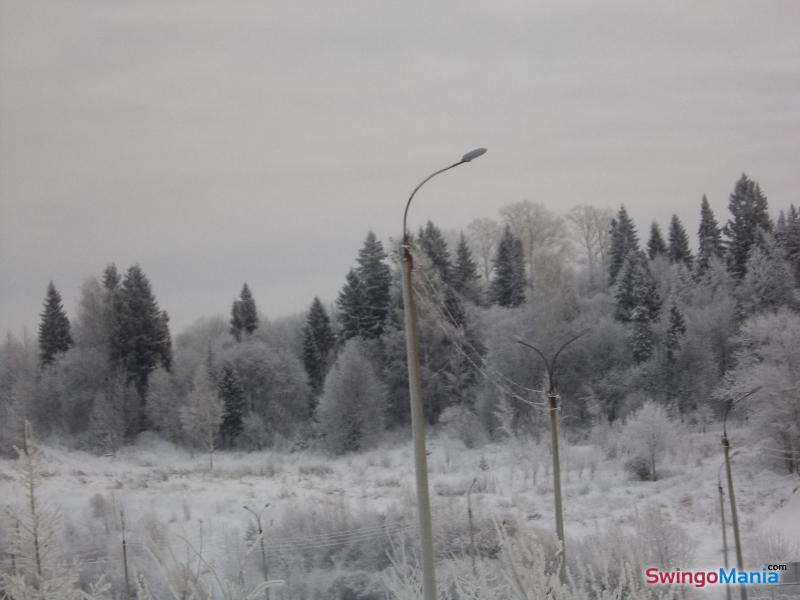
41 571
202 414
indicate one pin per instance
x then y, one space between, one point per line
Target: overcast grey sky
222 142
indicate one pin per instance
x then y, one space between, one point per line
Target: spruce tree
140 339
432 242
164 341
671 371
749 215
648 293
111 283
781 228
655 245
54 336
679 243
791 240
787 236
518 263
353 309
244 314
624 240
249 310
236 322
454 308
232 395
768 283
318 344
507 288
642 335
636 288
625 293
465 273
376 279
675 333
709 237
111 278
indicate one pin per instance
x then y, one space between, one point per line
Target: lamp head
472 154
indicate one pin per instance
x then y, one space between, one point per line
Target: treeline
665 323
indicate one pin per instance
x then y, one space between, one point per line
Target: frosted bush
458 422
648 434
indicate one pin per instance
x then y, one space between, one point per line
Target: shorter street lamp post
726 447
415 396
552 396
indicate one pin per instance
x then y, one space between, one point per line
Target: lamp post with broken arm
415 395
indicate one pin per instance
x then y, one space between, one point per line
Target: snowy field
329 519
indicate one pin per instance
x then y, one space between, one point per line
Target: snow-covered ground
165 491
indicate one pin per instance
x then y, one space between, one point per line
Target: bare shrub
315 470
639 468
99 506
458 422
390 482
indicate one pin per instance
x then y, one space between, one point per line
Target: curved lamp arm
468 157
550 364
730 404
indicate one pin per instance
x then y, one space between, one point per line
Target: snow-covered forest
310 414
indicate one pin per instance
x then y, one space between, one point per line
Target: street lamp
734 516
415 394
552 395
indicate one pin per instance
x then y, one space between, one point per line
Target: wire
779 451
779 455
306 542
218 543
339 537
450 319
443 317
295 547
221 544
344 532
483 372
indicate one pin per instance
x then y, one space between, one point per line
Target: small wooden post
125 557
471 528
